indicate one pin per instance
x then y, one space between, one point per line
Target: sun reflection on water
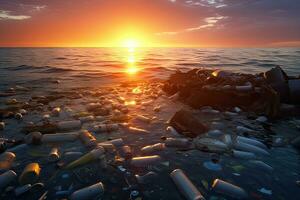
132 58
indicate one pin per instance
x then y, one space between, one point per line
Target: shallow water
87 68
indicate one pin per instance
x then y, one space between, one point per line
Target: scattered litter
229 189
265 191
185 186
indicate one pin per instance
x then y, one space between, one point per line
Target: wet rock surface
122 137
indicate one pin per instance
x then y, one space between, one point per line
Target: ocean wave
61 58
57 70
38 69
267 65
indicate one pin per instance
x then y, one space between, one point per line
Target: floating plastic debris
53 155
265 191
185 186
30 174
212 166
153 148
89 192
145 161
89 157
229 189
6 160
6 178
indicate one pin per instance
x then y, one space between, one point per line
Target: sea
110 65
45 70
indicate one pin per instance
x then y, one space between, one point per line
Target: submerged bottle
185 186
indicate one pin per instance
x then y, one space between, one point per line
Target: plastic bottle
229 189
242 129
6 160
142 179
30 174
34 138
171 130
53 155
87 138
60 137
185 186
89 157
104 128
87 119
126 152
145 161
116 142
153 148
2 126
22 189
69 125
261 165
243 155
251 141
88 193
143 118
137 130
250 148
56 111
177 142
6 178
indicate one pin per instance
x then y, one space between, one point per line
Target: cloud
32 8
6 15
38 8
209 23
206 3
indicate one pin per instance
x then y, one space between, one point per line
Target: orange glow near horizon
135 23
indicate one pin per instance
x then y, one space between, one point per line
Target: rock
294 86
187 124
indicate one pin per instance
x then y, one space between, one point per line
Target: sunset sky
203 23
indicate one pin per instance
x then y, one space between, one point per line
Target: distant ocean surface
104 65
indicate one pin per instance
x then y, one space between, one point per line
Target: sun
131 43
